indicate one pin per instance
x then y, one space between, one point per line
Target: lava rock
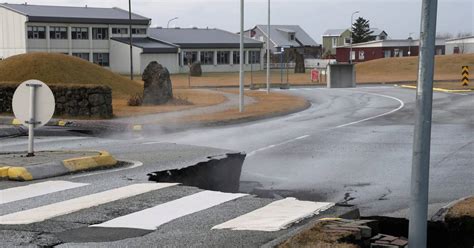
158 88
195 70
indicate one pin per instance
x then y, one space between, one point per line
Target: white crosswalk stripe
276 216
65 207
37 189
152 218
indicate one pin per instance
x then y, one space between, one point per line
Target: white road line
66 207
37 189
402 105
279 144
135 164
276 216
152 218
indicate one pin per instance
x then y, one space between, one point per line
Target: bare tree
445 35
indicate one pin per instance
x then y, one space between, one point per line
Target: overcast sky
397 17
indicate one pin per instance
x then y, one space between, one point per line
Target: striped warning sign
465 76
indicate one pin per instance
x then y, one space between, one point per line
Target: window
387 54
138 30
189 57
207 58
292 36
396 52
223 58
353 55
80 33
36 32
100 33
236 57
361 55
84 56
334 42
58 33
119 30
456 50
101 59
347 41
254 57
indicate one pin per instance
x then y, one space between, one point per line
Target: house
383 49
333 38
286 36
101 36
460 45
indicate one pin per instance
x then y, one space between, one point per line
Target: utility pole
241 60
131 46
350 39
417 234
268 49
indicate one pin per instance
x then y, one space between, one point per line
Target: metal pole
241 84
32 121
422 135
281 66
268 50
131 46
350 39
170 20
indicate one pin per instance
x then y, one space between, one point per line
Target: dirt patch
184 99
267 105
320 236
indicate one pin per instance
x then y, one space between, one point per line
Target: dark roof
279 35
201 38
43 13
149 45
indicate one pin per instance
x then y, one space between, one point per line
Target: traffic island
17 166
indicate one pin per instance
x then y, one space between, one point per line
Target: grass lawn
267 105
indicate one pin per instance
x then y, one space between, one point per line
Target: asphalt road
352 146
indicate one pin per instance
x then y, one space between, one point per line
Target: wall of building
231 67
328 45
120 58
168 60
12 33
371 53
461 46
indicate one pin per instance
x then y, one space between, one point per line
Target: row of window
77 33
223 57
101 59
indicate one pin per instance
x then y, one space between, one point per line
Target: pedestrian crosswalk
275 216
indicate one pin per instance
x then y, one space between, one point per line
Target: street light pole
350 39
268 50
241 59
170 20
130 37
409 44
417 232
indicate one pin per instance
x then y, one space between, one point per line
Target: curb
438 89
52 169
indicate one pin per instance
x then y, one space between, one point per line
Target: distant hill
53 68
447 67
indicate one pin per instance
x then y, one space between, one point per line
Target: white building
101 36
461 45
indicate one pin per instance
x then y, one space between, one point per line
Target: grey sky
397 17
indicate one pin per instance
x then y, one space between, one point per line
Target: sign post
33 104
465 75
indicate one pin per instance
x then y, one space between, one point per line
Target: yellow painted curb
4 171
16 122
62 123
104 159
438 89
137 128
19 174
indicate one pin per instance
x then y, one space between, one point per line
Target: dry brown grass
267 105
447 67
232 78
319 237
197 98
462 209
53 68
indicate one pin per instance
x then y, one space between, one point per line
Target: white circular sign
44 103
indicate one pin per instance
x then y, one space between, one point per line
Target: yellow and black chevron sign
465 76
